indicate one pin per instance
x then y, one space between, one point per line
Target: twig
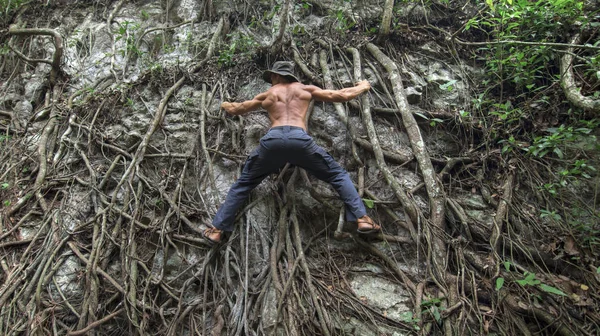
95 324
58 46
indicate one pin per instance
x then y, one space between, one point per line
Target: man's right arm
339 96
245 107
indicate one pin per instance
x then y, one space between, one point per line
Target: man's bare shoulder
310 88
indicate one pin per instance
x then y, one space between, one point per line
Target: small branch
96 324
389 262
58 45
27 59
98 270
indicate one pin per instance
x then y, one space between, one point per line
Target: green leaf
4 185
598 270
552 290
499 283
448 86
369 203
422 115
507 265
436 313
558 152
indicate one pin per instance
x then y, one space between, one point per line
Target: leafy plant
531 280
506 112
550 214
434 121
408 317
242 46
432 305
342 23
127 32
525 66
7 6
4 186
448 86
557 140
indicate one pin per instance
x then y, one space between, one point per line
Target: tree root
567 82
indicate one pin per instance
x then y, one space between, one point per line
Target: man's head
281 72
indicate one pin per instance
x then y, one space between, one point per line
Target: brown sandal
211 231
371 228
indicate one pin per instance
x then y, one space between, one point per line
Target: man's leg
319 163
322 165
258 166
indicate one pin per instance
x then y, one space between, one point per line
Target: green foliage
531 280
558 139
6 203
550 214
369 203
8 6
449 86
127 32
242 46
303 7
432 305
342 23
526 66
4 186
552 290
4 49
506 113
585 225
408 317
434 121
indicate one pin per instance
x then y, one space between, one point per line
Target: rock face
119 75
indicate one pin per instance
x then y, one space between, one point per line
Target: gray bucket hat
282 68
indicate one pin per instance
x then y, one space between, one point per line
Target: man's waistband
286 128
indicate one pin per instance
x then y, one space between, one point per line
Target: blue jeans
279 146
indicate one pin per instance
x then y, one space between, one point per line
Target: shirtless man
287 141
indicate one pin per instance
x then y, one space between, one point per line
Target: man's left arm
245 107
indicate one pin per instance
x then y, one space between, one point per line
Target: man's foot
367 225
213 235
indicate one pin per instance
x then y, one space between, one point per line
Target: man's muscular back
287 103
